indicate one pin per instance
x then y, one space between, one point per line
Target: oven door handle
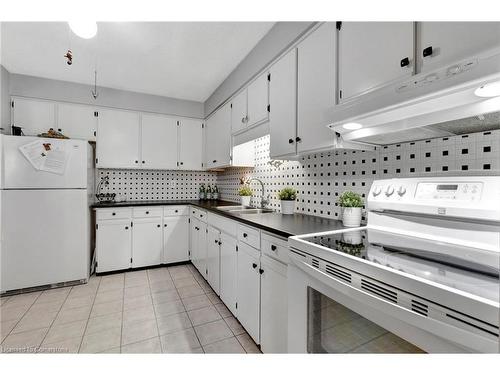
456 335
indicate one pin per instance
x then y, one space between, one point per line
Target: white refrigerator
44 216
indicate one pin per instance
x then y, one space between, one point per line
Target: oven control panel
465 191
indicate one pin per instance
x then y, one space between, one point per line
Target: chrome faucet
263 200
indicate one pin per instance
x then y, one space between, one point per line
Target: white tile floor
160 310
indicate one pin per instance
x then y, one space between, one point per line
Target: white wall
278 39
4 99
37 87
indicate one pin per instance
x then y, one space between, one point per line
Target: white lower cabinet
199 245
175 239
248 289
213 258
228 271
147 244
113 244
273 306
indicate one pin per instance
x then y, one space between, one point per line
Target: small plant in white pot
352 204
245 194
287 197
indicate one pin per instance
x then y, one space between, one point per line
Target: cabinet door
454 41
34 116
248 286
213 258
175 239
113 245
202 248
190 144
77 121
258 100
218 140
372 54
194 242
228 269
239 112
316 88
158 142
283 101
147 242
117 139
273 309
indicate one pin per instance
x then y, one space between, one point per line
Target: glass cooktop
451 265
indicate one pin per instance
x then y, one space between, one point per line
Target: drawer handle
245 235
165 225
176 211
273 247
220 243
254 265
147 212
216 241
201 215
114 213
158 225
126 227
261 271
427 51
136 161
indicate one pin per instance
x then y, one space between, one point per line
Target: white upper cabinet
190 144
77 121
117 139
283 101
239 112
258 100
373 54
316 88
218 138
445 43
34 116
158 142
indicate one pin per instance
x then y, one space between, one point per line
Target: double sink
243 210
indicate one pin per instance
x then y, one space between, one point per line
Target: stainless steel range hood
441 103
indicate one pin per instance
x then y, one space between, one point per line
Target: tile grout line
154 312
91 308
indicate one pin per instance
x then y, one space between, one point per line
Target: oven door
328 316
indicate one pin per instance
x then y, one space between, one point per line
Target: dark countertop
276 223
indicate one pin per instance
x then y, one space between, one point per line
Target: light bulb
488 90
84 29
352 126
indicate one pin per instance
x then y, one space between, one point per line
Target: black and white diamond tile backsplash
321 178
134 185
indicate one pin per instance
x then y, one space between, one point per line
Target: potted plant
287 197
351 204
245 194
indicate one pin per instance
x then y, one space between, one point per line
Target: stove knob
389 191
376 191
401 191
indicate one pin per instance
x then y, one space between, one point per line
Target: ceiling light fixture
488 90
352 126
84 29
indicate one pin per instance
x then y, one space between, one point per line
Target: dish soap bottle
215 193
209 192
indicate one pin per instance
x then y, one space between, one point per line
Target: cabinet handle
143 162
243 120
165 225
201 215
126 227
59 130
245 235
113 213
261 271
181 163
136 161
158 225
427 51
298 139
273 247
147 212
254 265
176 211
215 161
220 243
216 241
290 141
405 62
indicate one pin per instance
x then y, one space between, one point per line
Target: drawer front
139 212
274 247
175 211
249 235
113 213
223 224
199 214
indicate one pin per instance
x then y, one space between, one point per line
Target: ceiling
185 60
